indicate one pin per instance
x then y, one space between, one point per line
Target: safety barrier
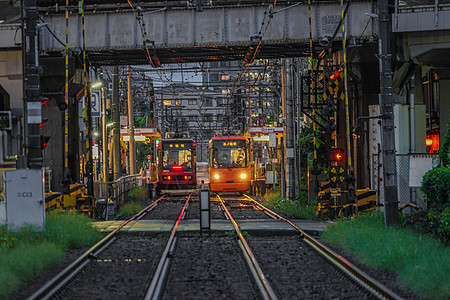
122 186
117 194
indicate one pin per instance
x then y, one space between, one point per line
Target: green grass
131 208
135 202
299 209
421 262
25 254
137 195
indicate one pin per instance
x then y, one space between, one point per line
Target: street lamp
97 84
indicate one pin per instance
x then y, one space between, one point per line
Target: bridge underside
215 33
140 56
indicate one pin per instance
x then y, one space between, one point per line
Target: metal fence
407 194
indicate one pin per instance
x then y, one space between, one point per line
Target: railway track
186 265
110 265
369 287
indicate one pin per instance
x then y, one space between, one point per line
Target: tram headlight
243 175
216 176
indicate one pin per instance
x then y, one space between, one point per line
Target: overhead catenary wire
261 33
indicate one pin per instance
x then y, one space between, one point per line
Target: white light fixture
97 84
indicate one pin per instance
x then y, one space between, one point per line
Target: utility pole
132 142
104 146
89 170
297 140
117 166
288 127
32 87
389 182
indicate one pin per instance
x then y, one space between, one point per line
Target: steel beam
181 34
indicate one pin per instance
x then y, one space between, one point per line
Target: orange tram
176 170
230 167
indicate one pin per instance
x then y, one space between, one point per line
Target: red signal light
44 121
337 155
177 167
334 75
44 141
43 102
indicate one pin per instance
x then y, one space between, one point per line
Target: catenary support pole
117 166
350 171
32 87
104 146
288 130
299 114
389 182
132 142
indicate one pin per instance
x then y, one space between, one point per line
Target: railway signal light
44 141
62 104
334 75
336 155
44 121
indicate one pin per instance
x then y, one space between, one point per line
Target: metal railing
122 186
118 190
421 15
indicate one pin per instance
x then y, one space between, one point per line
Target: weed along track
248 253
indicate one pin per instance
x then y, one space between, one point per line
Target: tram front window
180 157
229 155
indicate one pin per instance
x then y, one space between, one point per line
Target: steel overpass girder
186 35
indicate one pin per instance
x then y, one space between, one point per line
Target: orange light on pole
429 142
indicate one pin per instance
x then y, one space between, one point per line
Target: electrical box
270 175
272 139
25 200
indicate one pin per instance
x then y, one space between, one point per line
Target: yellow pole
66 99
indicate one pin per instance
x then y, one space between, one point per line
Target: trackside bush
436 188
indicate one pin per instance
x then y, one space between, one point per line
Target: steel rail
52 286
156 283
370 284
261 280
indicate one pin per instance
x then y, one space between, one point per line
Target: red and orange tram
176 165
230 167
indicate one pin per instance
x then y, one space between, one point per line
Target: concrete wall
11 78
444 108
